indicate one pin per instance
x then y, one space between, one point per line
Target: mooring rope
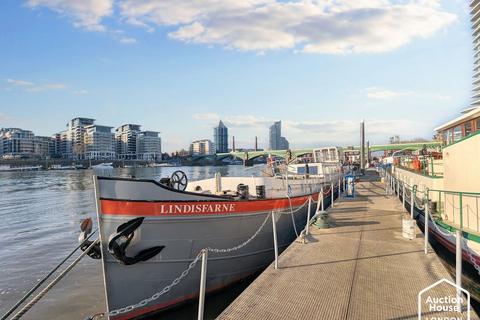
42 293
32 290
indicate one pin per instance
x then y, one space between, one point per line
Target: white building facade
149 146
99 143
202 147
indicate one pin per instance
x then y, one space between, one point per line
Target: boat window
449 136
333 155
457 133
468 128
325 155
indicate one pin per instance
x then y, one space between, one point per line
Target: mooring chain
469 251
470 255
177 280
157 295
293 211
438 228
419 206
241 245
192 265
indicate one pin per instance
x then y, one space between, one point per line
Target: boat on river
62 167
5 168
151 231
448 177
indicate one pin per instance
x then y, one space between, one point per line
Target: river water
40 213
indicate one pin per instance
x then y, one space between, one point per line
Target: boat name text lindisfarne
196 208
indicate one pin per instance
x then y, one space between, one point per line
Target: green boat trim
467 235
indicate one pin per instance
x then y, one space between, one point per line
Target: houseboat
151 232
448 179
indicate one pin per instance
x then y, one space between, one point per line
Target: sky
179 66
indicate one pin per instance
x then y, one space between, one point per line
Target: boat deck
360 268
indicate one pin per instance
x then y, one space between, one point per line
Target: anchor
86 229
118 243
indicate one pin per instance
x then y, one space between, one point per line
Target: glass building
220 138
275 139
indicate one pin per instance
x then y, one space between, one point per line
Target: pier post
203 282
403 195
412 202
339 188
398 188
427 213
390 178
308 215
392 185
332 190
323 198
458 266
275 245
386 183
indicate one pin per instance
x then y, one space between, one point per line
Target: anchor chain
157 295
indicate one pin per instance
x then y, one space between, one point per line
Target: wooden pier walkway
360 268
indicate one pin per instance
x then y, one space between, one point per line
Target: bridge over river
251 155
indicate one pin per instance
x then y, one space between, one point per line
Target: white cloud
330 26
86 14
311 26
127 40
381 93
209 117
46 87
29 86
19 83
236 121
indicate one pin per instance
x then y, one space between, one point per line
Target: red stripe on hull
147 208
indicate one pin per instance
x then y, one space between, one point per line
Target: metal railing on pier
452 214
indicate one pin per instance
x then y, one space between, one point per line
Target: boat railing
429 165
438 206
451 209
455 209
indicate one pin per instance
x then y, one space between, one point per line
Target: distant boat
62 167
164 164
103 165
21 168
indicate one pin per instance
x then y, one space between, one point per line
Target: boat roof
467 114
